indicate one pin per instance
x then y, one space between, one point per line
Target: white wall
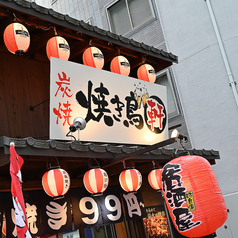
230 228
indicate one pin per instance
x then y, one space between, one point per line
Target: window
126 15
164 79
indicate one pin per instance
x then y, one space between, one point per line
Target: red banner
16 163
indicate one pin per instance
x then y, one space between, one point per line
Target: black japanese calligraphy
180 200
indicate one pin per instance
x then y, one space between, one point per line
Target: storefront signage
51 216
116 108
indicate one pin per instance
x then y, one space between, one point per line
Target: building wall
79 9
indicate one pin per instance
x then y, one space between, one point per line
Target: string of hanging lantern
17 41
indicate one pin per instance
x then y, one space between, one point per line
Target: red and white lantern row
200 209
130 180
120 65
16 38
96 181
57 47
154 179
56 182
93 57
146 73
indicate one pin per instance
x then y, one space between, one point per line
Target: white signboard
117 109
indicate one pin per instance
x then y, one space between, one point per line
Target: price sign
94 211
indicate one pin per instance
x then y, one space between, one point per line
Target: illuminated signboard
117 109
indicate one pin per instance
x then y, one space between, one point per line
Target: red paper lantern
130 180
96 181
154 179
93 57
57 47
120 65
147 73
56 182
16 38
193 197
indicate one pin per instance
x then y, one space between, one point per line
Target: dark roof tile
71 20
124 39
100 31
39 8
57 15
135 43
70 148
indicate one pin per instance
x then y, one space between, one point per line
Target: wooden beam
148 148
40 42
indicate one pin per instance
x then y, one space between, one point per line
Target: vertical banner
16 163
134 205
32 206
45 215
56 215
48 216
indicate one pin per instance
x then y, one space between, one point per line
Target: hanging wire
156 164
131 163
48 165
153 162
119 51
90 164
55 31
124 164
16 19
70 135
180 143
143 59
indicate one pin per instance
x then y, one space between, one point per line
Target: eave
40 22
